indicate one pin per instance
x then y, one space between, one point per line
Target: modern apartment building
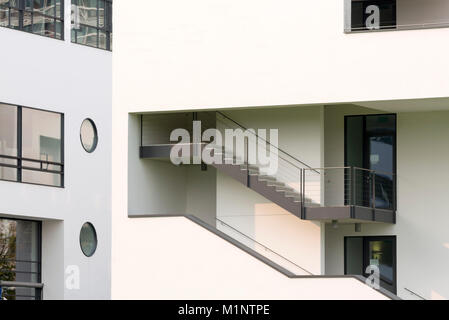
358 91
56 88
354 98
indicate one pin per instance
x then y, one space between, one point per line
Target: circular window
89 136
88 239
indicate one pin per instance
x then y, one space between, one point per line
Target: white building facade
50 186
92 206
359 93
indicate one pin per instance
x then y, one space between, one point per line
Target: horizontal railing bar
31 169
13 260
18 271
32 160
14 284
399 26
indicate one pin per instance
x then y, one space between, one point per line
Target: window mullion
19 144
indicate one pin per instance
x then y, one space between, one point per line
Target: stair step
266 178
285 189
275 184
292 194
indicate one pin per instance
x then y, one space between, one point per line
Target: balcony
389 15
349 194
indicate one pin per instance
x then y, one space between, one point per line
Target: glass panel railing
260 248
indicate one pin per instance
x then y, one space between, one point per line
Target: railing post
374 194
353 177
302 191
247 161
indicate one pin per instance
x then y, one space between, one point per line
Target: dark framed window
42 17
370 143
31 146
373 15
20 257
92 23
380 251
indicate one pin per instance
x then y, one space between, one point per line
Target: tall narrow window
43 17
92 23
31 148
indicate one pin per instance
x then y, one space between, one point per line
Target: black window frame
107 28
21 9
366 239
20 159
38 291
365 138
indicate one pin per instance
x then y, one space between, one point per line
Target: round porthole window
88 239
89 135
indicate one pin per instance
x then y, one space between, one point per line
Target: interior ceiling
416 105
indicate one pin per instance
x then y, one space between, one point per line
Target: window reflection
39 159
43 17
8 142
20 257
94 23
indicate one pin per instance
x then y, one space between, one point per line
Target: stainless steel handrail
268 142
415 294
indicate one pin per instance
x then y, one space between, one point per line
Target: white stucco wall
183 268
422 217
75 80
209 54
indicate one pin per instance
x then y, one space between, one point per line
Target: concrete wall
60 76
201 193
223 54
157 187
182 268
422 238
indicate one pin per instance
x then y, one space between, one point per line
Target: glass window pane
44 26
39 177
102 40
41 135
59 27
88 239
88 12
8 141
14 18
87 36
101 15
354 256
8 130
27 22
381 255
46 7
19 244
59 7
89 135
4 17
